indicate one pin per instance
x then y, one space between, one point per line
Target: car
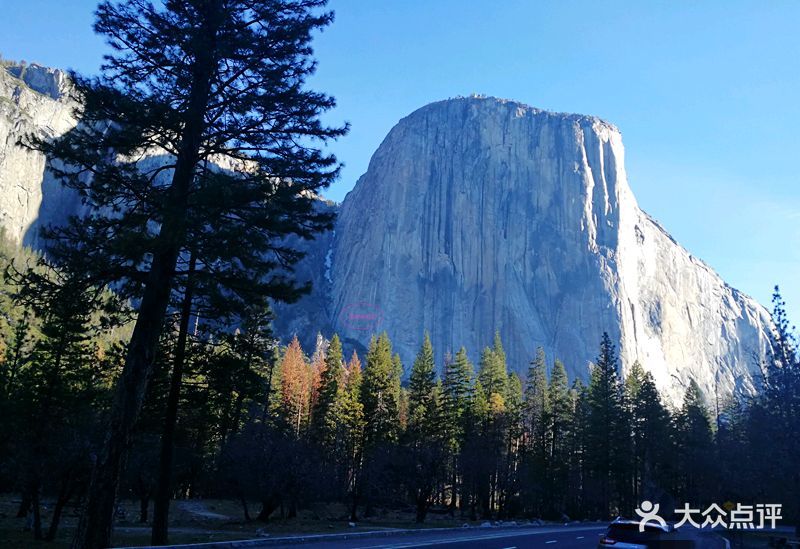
625 534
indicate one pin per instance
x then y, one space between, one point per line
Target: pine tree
491 403
423 438
695 446
421 384
63 378
318 366
561 424
607 429
228 380
777 412
380 393
581 482
353 424
736 459
784 343
479 453
15 356
326 416
651 428
198 80
164 486
403 408
537 403
457 394
382 399
296 388
537 431
509 480
456 401
493 373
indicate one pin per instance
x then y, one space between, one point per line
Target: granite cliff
33 100
479 214
475 214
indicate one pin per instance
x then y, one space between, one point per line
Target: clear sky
706 94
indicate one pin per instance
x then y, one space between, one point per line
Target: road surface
563 537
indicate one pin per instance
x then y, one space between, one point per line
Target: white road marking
512 547
580 537
552 541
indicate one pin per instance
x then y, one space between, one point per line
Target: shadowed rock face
475 215
31 102
478 214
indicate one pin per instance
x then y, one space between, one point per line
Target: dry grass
196 521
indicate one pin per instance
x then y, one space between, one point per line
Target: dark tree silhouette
217 87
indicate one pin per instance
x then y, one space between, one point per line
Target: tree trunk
37 514
96 523
237 413
64 495
453 493
422 508
354 508
230 423
268 507
265 411
164 486
245 509
24 505
144 504
354 497
473 504
95 526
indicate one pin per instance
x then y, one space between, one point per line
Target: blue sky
706 94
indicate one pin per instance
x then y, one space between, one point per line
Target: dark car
625 534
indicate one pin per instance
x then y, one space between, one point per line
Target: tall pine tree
651 427
537 432
695 447
196 80
457 395
380 393
326 415
561 422
424 442
606 431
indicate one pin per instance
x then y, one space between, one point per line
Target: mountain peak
45 80
510 107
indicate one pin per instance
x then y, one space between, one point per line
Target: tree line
278 429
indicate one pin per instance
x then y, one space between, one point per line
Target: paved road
564 537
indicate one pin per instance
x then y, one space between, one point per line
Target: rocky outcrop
33 100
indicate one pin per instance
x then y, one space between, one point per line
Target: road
563 537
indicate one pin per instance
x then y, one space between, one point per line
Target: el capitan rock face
479 214
475 215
